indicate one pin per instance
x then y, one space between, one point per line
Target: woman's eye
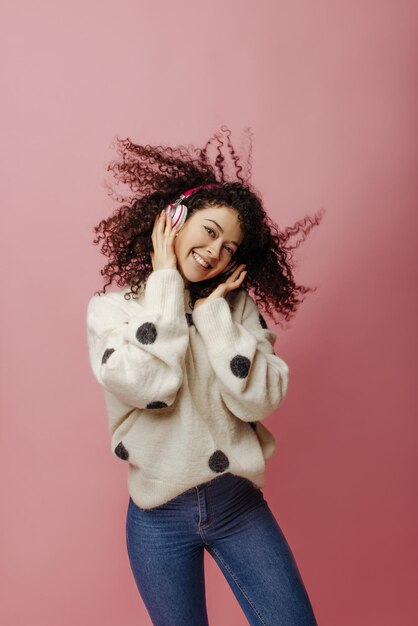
212 231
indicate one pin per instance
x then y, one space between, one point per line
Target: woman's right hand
162 237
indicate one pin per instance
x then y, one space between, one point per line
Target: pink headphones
178 211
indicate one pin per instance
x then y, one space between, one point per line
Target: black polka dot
122 452
240 366
189 319
253 425
157 404
218 461
106 354
146 333
262 321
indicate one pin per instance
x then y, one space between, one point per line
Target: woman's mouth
199 262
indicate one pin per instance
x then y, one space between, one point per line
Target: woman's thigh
166 555
230 518
245 539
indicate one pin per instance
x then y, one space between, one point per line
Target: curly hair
157 176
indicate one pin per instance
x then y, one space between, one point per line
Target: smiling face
215 234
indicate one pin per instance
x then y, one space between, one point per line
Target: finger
171 241
239 268
236 272
170 229
160 224
240 278
167 223
156 223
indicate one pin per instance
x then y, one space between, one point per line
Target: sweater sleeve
139 357
252 379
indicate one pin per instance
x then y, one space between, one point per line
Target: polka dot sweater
185 391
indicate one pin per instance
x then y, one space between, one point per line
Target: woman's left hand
232 282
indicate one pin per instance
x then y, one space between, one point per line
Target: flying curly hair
157 176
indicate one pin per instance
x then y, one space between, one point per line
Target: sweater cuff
164 293
213 320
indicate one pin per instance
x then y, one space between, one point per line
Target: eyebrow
221 229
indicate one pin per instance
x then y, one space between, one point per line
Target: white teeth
199 259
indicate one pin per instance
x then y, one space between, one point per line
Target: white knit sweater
185 390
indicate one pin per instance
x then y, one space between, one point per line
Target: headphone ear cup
178 214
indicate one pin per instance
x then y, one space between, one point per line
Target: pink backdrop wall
329 89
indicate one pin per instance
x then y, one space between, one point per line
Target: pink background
329 89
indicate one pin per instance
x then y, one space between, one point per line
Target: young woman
189 371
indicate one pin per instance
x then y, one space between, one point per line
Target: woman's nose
214 251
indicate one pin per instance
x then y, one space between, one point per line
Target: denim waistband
225 477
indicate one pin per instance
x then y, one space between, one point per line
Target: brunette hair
157 176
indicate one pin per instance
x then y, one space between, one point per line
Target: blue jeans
229 517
